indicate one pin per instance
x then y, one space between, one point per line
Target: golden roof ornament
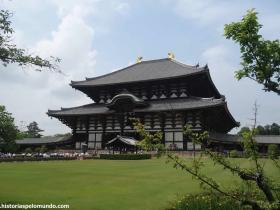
139 59
171 55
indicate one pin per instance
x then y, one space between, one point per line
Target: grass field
101 184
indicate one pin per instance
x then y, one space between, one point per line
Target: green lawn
101 184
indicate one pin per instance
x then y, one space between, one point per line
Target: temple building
164 94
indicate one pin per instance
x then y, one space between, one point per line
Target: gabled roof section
44 140
124 139
144 71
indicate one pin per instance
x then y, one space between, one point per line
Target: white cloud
73 42
28 94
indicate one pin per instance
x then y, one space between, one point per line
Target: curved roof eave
207 71
237 124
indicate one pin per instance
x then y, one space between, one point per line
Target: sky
94 37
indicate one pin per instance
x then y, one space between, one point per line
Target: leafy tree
149 141
273 151
21 135
33 130
37 150
43 149
28 150
10 53
275 129
242 130
267 129
260 57
261 192
8 131
261 130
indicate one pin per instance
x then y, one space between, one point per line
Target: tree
149 141
33 130
242 130
261 130
261 192
273 129
21 135
260 57
8 131
273 151
9 53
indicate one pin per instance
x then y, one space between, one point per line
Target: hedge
204 201
21 159
125 156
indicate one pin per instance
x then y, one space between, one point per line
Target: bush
37 149
233 154
28 150
43 149
273 151
125 156
204 201
21 159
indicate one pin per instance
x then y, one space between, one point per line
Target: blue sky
96 37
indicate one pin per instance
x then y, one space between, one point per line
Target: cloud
27 93
73 42
203 11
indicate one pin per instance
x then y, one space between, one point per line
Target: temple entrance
107 137
122 144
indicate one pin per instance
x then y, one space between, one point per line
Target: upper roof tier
143 71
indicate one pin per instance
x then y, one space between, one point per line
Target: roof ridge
185 65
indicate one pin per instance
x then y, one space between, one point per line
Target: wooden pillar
74 131
87 129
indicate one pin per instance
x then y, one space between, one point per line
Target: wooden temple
164 94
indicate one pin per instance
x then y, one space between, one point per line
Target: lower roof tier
216 113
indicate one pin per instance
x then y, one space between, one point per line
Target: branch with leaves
260 57
263 193
149 141
10 53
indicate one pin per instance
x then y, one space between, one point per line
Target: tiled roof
261 139
143 71
156 105
43 140
124 139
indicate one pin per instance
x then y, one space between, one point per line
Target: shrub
204 201
125 156
21 159
233 154
273 151
43 149
37 149
28 150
